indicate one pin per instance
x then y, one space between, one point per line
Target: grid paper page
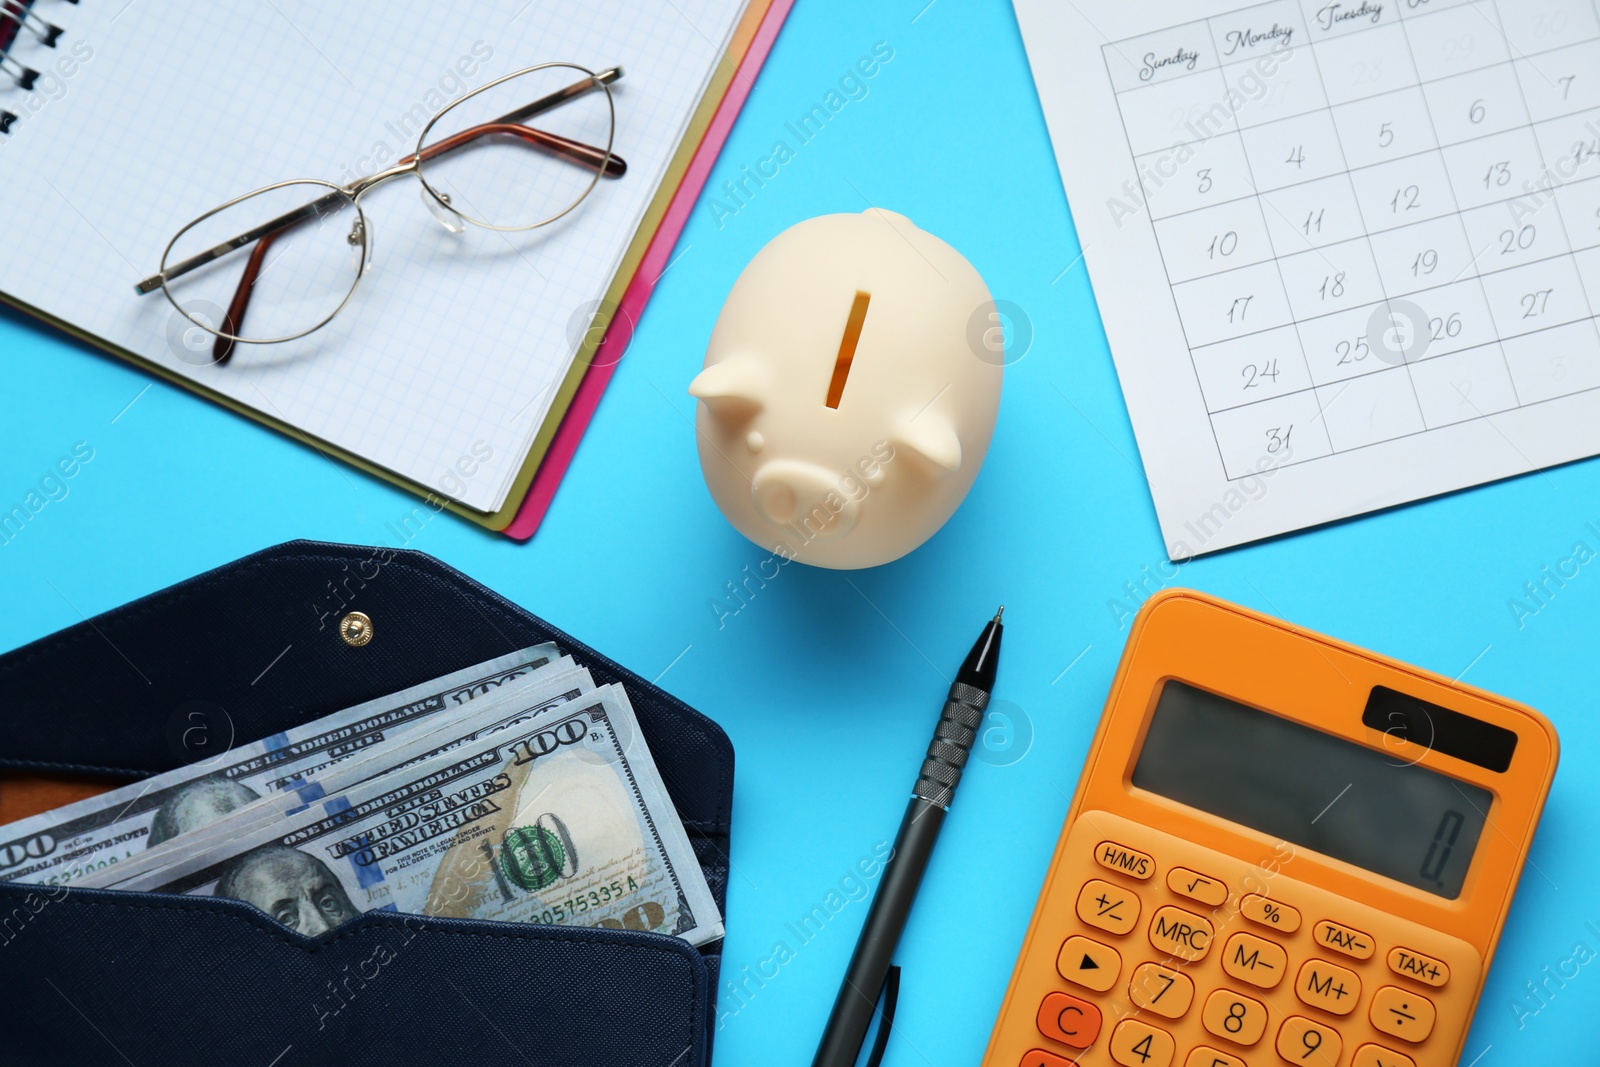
1378 224
448 355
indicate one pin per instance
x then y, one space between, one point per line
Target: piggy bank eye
847 347
754 441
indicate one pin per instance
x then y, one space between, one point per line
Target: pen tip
999 613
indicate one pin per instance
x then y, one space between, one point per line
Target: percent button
1281 917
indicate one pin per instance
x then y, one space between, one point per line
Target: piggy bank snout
789 491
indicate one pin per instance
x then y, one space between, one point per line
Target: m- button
1255 960
1343 939
1181 933
1326 986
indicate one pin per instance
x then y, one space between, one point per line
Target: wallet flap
97 977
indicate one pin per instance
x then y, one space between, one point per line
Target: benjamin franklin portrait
293 887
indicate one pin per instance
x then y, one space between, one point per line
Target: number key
1210 1057
1138 1044
1237 1018
1161 989
1108 907
1302 1041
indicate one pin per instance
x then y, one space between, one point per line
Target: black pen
936 785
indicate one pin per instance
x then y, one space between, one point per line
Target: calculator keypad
1145 971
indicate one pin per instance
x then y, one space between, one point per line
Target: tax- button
1408 1016
1409 963
1089 963
1378 1056
1196 886
1067 1019
1181 933
1343 939
1323 985
1124 860
1254 960
1108 907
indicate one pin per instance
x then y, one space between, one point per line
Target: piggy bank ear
931 437
732 388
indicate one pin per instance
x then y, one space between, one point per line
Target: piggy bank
849 390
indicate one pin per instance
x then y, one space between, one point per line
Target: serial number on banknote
594 898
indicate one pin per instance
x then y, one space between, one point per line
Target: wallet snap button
355 629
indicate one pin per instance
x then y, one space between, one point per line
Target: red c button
1069 1020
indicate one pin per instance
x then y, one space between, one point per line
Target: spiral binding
15 17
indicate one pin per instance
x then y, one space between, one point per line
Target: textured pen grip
952 743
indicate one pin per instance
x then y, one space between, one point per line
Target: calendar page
1347 254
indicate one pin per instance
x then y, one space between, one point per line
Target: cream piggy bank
849 391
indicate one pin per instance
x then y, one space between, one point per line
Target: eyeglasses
279 263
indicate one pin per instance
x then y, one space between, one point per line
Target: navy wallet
105 977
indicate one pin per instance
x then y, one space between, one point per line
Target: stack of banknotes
515 790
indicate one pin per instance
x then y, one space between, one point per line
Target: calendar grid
1556 204
1511 332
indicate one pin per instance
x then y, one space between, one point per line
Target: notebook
762 27
440 372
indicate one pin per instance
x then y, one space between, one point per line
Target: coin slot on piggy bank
872 315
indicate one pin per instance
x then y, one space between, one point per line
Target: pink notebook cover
656 258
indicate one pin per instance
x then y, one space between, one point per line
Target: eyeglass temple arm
613 167
233 318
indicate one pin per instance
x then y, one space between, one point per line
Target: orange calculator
1283 850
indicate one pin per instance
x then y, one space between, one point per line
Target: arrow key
1088 963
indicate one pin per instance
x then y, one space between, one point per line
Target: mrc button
1343 939
1181 933
1124 860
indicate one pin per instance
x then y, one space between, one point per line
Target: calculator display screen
1312 789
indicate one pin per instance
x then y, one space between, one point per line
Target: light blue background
829 682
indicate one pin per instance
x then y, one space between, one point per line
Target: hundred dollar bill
59 847
563 820
511 707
